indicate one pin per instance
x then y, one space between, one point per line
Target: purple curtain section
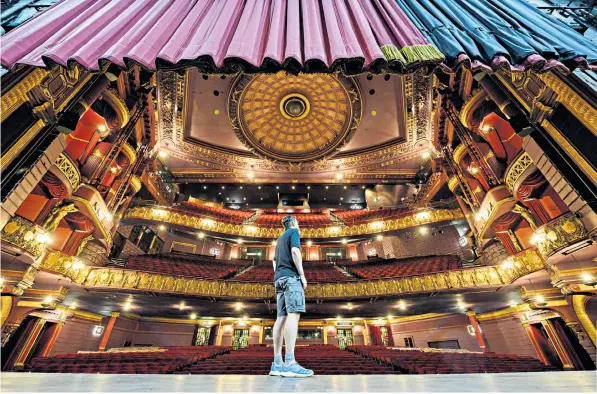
217 35
375 332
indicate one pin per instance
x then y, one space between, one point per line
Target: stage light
508 263
78 264
43 238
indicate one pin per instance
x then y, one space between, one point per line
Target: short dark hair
287 221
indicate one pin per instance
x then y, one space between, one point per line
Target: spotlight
43 238
78 264
193 316
588 279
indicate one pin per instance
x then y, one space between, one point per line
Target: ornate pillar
531 331
365 333
325 335
558 345
475 324
54 333
220 335
579 302
260 335
23 348
108 331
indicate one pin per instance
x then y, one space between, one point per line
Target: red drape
390 336
375 335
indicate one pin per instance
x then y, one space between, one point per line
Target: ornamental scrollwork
178 217
559 233
516 169
69 169
481 277
24 234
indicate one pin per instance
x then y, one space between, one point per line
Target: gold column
531 334
557 343
19 362
579 303
260 335
220 334
325 335
108 331
365 333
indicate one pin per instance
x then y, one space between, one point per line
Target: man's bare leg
278 339
290 333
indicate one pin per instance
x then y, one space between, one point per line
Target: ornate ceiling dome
294 118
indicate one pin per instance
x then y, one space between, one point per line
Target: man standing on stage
290 282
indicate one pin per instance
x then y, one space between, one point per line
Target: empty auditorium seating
154 362
358 216
304 219
186 265
318 272
257 360
235 216
396 268
447 362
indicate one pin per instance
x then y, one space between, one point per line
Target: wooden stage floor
507 382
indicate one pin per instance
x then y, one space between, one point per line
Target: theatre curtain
497 33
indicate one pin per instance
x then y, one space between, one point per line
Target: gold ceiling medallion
294 118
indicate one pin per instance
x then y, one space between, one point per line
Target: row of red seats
263 272
304 219
236 216
323 359
155 362
405 267
419 362
169 266
357 216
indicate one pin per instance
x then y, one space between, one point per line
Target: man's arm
298 262
295 250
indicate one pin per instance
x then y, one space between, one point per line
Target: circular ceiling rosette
294 118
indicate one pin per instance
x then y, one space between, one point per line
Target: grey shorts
290 296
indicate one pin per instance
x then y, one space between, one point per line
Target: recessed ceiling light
309 187
241 187
204 187
277 187
327 187
345 187
223 187
293 187
259 187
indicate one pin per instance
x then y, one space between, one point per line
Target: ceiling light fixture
339 175
201 235
163 154
426 155
193 316
309 243
250 175
238 306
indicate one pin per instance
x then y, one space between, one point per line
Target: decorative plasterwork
516 169
176 217
563 231
69 169
25 235
217 162
294 118
482 278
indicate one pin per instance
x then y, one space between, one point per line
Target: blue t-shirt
283 256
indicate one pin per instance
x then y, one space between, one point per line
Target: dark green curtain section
484 29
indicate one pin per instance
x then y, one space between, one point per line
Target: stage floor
506 382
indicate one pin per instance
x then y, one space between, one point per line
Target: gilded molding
18 95
458 153
129 152
481 277
85 315
166 215
135 183
516 169
502 313
573 102
563 231
579 303
471 105
453 183
24 234
119 106
69 169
